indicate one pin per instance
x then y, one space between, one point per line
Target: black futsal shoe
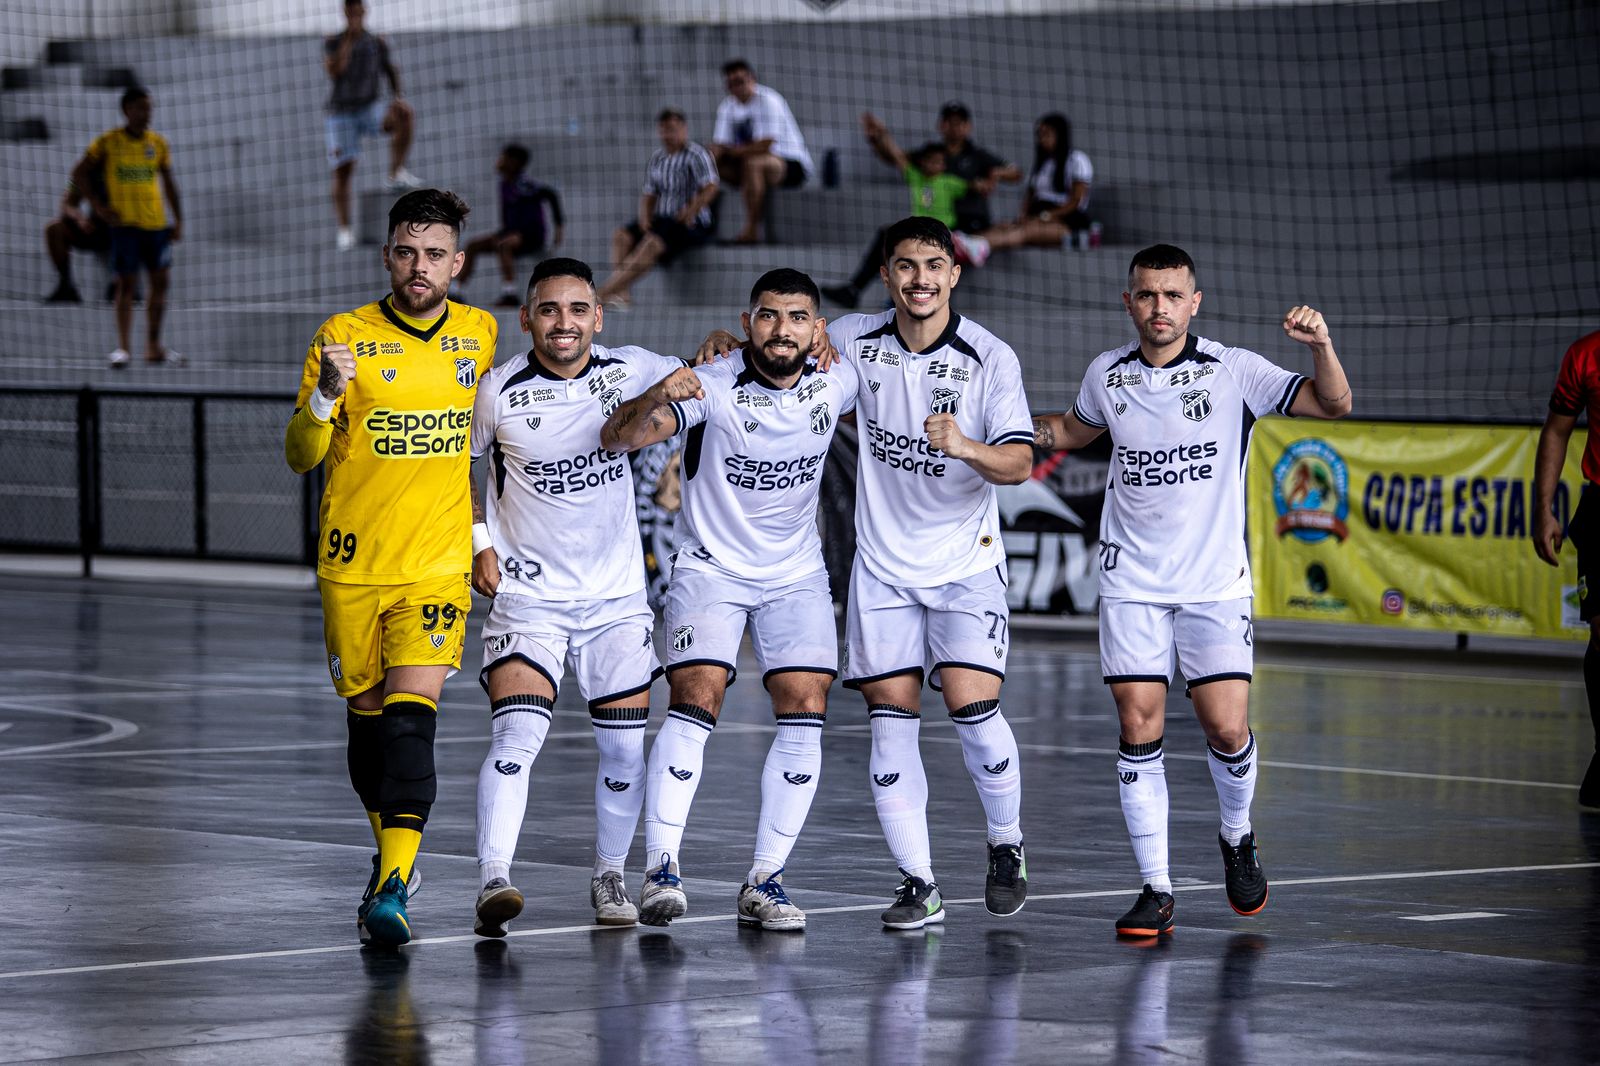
1151 915
1589 791
1005 890
1242 873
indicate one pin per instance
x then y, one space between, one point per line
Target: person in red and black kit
1577 390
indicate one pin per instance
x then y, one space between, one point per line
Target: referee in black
674 210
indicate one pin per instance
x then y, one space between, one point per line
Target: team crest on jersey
436 639
535 422
466 373
683 638
335 667
751 427
874 385
389 373
1196 405
945 401
821 420
610 400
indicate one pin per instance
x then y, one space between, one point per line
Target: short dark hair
786 282
670 114
1163 257
923 151
425 207
738 64
133 94
955 109
517 153
561 267
919 228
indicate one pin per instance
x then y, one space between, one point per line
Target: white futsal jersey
922 518
1173 526
752 466
561 507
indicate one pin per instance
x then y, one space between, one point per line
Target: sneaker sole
496 911
933 919
1258 909
776 925
1006 914
663 911
616 919
1144 934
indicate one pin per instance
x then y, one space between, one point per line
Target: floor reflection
386 1029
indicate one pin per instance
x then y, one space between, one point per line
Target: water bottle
1094 234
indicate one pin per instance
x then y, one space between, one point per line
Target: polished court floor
181 856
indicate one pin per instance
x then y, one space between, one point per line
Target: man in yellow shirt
119 175
386 399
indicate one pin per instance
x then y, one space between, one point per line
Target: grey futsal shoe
662 898
610 901
498 903
767 905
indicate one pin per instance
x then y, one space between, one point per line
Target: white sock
518 725
788 785
618 782
1235 778
900 787
990 752
1142 785
676 758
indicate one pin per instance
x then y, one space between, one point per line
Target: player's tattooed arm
477 498
645 419
1062 433
1045 433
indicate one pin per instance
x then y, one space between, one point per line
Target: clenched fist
945 435
338 370
678 385
1305 325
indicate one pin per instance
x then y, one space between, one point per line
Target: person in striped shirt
674 210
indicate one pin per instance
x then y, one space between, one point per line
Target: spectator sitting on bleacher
934 193
353 60
522 224
980 168
73 228
757 144
674 210
1055 205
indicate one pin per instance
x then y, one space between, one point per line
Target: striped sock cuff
688 712
530 704
889 710
408 703
806 718
624 716
975 713
1140 752
1238 757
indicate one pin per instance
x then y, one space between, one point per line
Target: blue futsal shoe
381 919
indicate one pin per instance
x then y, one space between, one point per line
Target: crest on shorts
535 422
466 373
499 644
610 400
436 639
945 401
1196 404
389 373
335 667
683 638
821 419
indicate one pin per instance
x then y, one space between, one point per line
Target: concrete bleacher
1288 170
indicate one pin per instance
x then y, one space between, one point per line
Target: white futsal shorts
606 643
791 621
892 630
1213 641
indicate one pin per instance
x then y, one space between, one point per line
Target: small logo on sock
681 775
1129 776
885 780
999 767
616 786
1240 770
796 779
509 769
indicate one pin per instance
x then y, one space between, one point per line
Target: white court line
1458 916
707 918
116 729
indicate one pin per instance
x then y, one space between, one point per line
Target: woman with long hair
1056 202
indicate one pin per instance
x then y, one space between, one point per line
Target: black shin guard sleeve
409 785
363 755
1591 685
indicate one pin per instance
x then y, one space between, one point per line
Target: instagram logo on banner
1394 601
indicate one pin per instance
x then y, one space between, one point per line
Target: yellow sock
377 829
397 850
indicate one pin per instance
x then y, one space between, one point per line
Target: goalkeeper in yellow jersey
386 399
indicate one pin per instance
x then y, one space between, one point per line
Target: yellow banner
1412 526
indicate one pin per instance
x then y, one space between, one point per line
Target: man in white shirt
1173 570
757 144
942 419
561 555
758 426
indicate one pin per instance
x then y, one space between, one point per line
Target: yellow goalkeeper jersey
397 507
